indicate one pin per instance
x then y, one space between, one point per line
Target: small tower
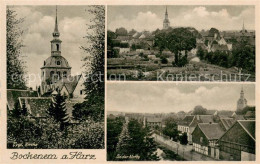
166 22
242 102
56 42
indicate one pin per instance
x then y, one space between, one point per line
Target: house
238 143
204 138
226 123
188 124
153 122
72 87
250 115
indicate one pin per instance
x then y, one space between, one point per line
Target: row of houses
221 137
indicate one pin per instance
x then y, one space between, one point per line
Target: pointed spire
166 12
56 31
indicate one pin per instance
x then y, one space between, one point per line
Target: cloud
38 34
199 17
173 98
143 21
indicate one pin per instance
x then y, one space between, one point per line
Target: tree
114 128
123 146
58 111
171 129
24 110
14 45
164 60
199 110
94 64
177 40
142 143
214 31
121 31
200 53
184 139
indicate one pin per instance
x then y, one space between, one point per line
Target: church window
44 63
42 73
65 74
81 92
58 47
58 62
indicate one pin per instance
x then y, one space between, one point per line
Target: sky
201 17
172 97
38 26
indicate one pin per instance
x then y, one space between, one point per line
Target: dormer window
58 62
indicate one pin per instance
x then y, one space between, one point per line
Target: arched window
44 63
58 62
42 73
52 73
65 74
57 47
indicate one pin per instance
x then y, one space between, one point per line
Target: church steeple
166 22
56 42
56 32
242 102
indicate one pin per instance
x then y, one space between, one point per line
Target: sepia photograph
181 122
181 43
55 77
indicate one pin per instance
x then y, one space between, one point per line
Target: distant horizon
200 17
250 30
169 97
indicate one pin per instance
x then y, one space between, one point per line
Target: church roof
70 83
51 62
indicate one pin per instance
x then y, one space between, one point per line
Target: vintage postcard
148 81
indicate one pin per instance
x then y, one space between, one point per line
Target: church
166 22
242 102
56 72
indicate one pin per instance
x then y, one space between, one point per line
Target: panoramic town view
51 101
181 43
181 122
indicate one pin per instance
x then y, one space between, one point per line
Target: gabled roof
211 130
70 83
248 126
227 122
206 118
186 121
37 106
14 94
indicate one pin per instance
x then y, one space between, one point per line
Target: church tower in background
166 22
242 102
